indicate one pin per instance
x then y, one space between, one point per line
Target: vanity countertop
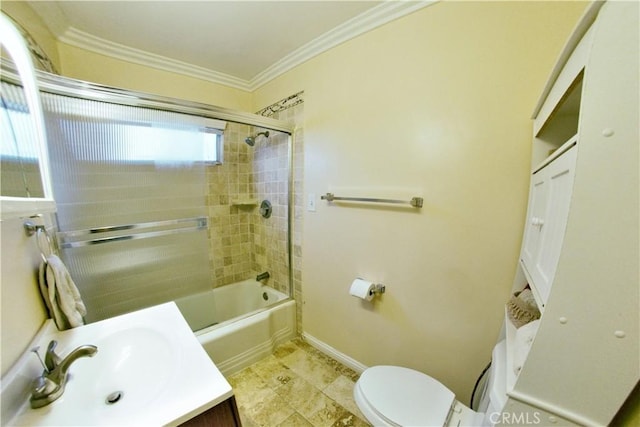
150 356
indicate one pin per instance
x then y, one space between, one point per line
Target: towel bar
66 238
416 202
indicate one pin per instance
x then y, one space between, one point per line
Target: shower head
251 140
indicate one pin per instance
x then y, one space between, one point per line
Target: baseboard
330 351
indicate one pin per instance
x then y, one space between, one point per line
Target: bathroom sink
129 369
149 370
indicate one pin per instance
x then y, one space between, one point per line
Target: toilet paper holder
377 289
364 289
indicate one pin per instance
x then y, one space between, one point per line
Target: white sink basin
149 370
130 366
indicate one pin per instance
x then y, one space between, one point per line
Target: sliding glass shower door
130 187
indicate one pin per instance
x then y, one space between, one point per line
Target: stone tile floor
297 386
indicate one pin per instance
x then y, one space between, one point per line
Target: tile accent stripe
283 104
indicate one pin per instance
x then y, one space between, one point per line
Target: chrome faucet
50 385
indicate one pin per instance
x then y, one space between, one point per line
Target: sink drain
114 397
265 296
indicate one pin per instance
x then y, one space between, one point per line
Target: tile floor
297 386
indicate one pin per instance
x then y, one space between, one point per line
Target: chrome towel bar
416 202
67 239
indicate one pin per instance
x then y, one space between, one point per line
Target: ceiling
239 43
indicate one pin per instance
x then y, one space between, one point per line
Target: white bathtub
241 323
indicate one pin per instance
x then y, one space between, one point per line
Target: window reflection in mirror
19 167
25 187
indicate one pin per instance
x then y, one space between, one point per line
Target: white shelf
244 202
557 153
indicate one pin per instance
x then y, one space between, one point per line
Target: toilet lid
406 397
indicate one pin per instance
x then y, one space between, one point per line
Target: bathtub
240 323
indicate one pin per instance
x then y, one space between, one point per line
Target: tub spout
262 276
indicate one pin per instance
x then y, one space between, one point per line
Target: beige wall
85 65
21 310
437 103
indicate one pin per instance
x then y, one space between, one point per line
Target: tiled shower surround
242 242
291 110
229 239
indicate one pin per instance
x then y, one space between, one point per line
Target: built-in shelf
563 121
561 125
591 98
557 152
244 202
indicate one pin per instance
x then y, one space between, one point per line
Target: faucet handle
51 359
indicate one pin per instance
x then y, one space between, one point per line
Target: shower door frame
60 85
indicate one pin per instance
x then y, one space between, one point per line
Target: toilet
397 396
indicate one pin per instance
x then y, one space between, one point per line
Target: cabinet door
550 197
225 414
536 210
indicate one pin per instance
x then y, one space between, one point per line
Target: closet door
550 198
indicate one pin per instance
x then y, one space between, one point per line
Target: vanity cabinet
549 200
225 414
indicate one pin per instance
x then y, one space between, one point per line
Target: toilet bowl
398 396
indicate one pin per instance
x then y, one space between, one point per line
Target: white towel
522 308
60 294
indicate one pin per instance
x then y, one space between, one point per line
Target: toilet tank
495 394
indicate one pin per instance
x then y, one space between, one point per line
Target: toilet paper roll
362 289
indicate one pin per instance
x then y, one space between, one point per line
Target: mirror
19 166
25 187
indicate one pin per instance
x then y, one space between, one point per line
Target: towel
60 294
522 344
522 308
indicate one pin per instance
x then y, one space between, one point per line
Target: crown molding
360 24
375 17
83 40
